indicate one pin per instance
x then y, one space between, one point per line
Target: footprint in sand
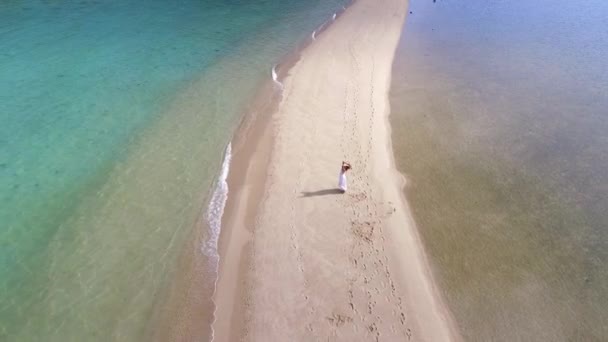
389 209
363 230
358 197
339 320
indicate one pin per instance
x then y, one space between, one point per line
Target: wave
275 77
215 211
323 25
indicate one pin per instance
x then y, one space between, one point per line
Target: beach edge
425 307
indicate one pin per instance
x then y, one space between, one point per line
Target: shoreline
252 143
190 297
243 297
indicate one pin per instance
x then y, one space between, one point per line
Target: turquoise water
500 124
114 116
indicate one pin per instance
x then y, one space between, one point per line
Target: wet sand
299 260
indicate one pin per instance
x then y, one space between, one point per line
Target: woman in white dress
342 180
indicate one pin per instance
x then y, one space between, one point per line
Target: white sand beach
299 260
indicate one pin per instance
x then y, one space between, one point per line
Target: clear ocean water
500 123
114 117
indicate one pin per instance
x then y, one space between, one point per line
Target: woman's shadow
322 192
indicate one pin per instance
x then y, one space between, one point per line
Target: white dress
342 181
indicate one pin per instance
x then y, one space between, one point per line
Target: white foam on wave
275 76
322 26
215 211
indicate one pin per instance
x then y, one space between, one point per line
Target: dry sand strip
311 264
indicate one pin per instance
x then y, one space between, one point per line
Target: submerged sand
300 261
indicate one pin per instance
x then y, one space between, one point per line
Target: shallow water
500 125
114 116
